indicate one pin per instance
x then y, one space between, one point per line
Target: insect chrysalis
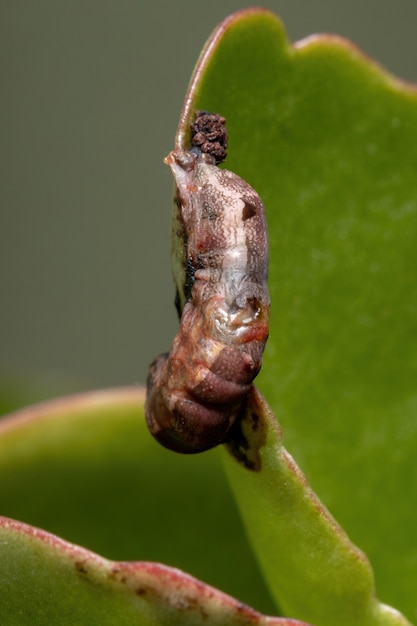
195 393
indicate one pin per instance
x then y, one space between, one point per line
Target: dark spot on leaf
247 436
245 439
141 591
255 422
80 567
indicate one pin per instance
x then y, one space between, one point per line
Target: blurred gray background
91 94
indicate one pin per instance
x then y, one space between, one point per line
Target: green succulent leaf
85 468
45 580
329 140
313 569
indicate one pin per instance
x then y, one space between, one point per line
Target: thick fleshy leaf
85 468
42 446
329 140
45 580
313 569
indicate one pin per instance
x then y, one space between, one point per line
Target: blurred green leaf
85 468
329 140
45 580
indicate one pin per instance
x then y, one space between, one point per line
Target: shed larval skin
196 392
